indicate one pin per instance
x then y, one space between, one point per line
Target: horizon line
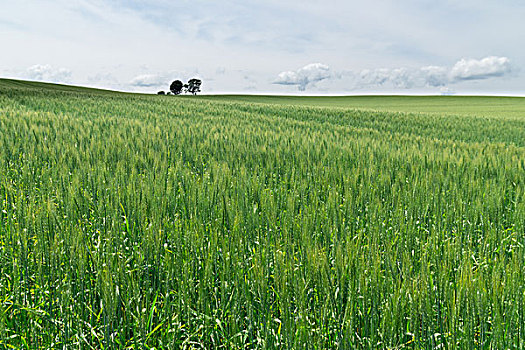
288 94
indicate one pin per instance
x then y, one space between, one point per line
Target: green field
508 107
260 222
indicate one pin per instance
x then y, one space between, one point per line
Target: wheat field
139 222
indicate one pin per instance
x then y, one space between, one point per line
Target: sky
270 46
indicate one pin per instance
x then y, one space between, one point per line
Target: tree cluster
193 86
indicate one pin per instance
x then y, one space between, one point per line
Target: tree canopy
176 87
194 86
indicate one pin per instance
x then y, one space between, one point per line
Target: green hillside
483 106
136 221
489 106
28 86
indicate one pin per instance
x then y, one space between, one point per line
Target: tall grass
158 222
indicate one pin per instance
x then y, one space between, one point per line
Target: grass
135 221
477 106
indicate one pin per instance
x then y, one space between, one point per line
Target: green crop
134 221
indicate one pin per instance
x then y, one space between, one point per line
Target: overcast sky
269 46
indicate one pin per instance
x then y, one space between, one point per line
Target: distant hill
482 106
37 85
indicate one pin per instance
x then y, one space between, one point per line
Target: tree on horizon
176 87
194 86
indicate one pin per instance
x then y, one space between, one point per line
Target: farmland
136 221
478 106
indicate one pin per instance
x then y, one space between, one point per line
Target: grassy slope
23 85
404 115
456 105
486 106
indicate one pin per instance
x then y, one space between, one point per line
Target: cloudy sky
269 46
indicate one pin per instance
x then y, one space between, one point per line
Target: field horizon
415 103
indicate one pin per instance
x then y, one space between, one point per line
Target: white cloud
149 80
48 73
374 76
434 76
309 74
399 78
106 78
488 67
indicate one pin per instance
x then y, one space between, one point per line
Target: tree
176 87
161 93
194 86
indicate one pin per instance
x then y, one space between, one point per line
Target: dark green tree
194 86
176 87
